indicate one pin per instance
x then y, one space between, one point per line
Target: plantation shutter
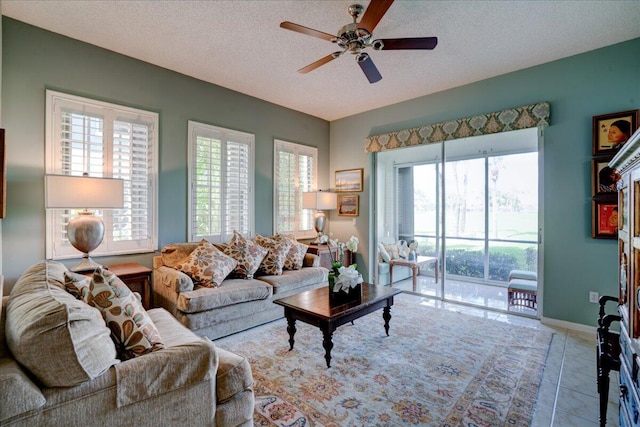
108 141
295 173
221 177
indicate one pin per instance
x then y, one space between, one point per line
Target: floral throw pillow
247 253
132 330
295 257
77 285
207 265
273 262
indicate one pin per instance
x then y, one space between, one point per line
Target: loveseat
389 249
59 365
235 304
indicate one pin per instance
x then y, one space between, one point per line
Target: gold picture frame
348 204
349 181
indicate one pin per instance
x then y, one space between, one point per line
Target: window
220 182
296 171
104 140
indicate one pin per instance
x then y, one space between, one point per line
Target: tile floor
568 393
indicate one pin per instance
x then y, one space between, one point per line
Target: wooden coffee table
313 307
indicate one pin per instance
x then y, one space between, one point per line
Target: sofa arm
167 370
172 278
311 260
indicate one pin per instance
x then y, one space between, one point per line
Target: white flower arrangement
348 277
352 244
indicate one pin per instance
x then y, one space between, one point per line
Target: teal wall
598 82
35 60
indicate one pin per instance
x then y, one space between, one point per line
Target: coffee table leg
386 315
291 328
327 343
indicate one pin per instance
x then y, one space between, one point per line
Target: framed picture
348 204
604 218
603 178
349 181
611 131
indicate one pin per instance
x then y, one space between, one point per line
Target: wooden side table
414 265
138 278
325 252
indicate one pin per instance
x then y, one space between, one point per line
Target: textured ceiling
239 45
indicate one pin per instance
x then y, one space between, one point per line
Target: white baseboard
568 325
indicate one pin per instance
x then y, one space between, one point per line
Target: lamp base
87 264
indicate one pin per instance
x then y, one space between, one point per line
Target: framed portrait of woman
611 131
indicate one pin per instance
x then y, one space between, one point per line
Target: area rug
436 368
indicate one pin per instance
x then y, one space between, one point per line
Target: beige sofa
75 379
235 305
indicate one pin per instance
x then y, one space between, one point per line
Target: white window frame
297 149
56 244
196 129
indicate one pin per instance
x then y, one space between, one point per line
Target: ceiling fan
357 36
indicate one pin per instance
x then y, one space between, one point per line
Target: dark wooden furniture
608 353
326 252
414 265
138 278
313 307
627 162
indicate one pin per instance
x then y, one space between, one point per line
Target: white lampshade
84 231
82 192
320 200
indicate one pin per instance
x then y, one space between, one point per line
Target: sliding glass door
473 203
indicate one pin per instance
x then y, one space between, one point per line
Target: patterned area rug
437 368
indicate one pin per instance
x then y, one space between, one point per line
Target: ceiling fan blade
409 43
305 30
320 62
368 68
374 13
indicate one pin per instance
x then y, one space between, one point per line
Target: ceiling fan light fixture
362 57
377 44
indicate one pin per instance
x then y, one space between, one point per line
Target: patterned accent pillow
392 250
207 265
247 253
295 257
132 330
273 262
77 285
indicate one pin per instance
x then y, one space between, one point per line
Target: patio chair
523 289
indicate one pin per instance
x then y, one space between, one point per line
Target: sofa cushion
273 262
207 265
295 257
290 280
233 376
18 393
232 291
72 341
247 253
132 329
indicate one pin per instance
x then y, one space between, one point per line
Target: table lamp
84 231
320 201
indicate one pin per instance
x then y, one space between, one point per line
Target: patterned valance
529 116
